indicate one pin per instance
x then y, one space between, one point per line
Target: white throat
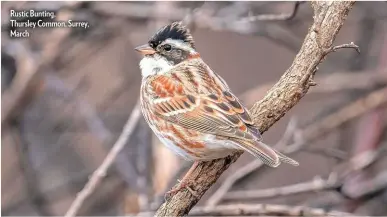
154 65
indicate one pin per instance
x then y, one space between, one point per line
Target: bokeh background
67 94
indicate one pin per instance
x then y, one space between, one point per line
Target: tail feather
261 151
286 159
268 155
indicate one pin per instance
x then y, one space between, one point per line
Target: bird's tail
268 155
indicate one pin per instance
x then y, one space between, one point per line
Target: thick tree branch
292 86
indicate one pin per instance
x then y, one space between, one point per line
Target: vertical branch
287 92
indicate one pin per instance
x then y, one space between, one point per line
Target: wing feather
194 97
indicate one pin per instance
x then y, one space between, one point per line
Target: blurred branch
327 151
144 11
370 186
28 76
94 122
350 81
136 10
335 82
292 86
263 210
369 134
276 17
144 164
205 17
30 176
360 106
100 173
21 85
307 135
317 184
334 181
363 162
250 167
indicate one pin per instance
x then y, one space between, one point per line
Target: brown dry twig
351 45
100 173
286 93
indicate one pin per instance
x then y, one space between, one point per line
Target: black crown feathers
176 31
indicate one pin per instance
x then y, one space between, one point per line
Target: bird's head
169 46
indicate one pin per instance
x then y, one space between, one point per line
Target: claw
182 184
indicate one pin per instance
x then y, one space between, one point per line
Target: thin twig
335 82
100 173
94 122
307 136
328 152
334 180
275 17
317 184
263 210
360 106
249 168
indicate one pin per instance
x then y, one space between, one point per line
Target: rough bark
287 92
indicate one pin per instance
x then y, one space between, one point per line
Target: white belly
214 149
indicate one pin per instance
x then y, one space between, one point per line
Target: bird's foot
183 184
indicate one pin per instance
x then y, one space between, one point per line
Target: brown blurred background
86 83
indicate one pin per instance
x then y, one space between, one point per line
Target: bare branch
306 136
100 173
94 122
292 86
27 79
350 45
249 168
367 187
263 210
316 184
329 152
275 17
335 82
348 112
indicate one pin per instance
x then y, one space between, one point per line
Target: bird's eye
167 47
